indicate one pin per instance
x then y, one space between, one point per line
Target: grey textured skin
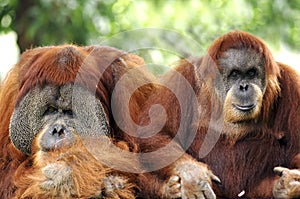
76 106
241 61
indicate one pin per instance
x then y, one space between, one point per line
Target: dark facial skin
243 75
57 112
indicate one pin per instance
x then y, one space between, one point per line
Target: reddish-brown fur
19 173
247 163
84 181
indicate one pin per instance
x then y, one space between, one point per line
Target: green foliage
7 12
51 22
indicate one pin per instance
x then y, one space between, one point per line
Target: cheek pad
27 118
89 115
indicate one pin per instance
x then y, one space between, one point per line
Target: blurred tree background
83 22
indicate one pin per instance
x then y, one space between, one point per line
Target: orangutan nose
55 136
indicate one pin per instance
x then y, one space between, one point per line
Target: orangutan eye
50 110
68 112
252 73
234 74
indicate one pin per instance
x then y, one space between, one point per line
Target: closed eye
68 112
50 110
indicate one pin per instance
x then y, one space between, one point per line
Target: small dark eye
251 73
50 110
68 112
234 74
